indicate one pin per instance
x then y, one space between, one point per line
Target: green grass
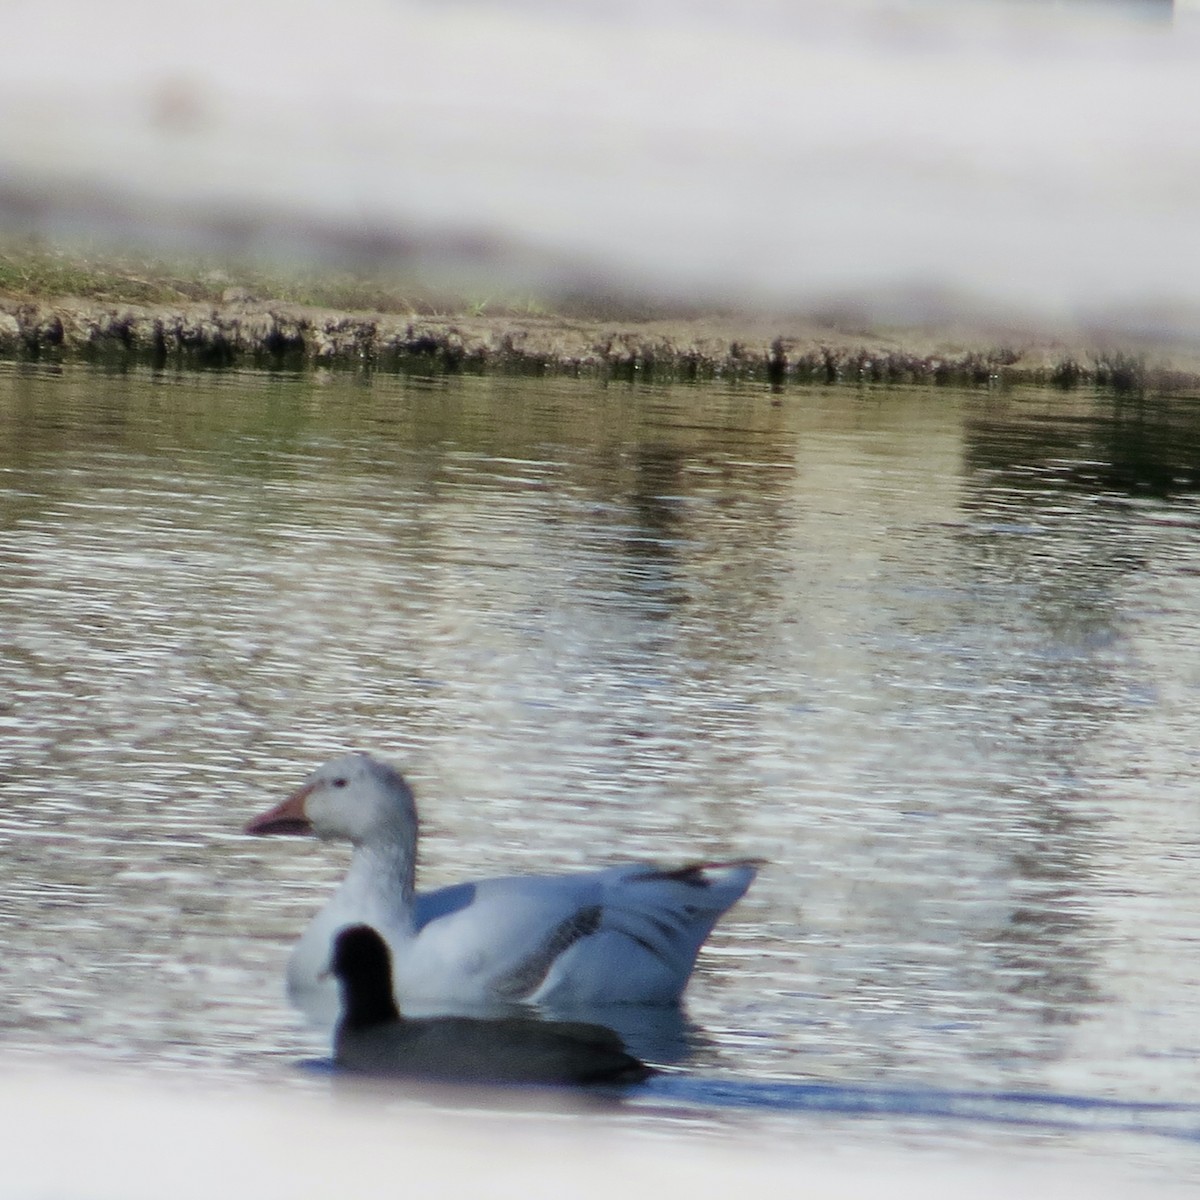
33 270
37 273
37 270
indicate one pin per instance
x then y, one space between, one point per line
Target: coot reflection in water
374 1039
683 1093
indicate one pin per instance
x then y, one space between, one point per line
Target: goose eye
339 782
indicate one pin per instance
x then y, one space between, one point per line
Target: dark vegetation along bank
57 309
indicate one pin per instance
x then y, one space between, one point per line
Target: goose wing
627 933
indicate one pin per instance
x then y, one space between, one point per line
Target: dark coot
374 1038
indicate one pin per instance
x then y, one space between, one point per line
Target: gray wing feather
527 976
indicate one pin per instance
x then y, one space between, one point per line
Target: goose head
354 797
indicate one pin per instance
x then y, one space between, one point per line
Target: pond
931 654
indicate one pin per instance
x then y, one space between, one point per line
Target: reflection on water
931 654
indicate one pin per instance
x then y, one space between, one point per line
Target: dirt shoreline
242 331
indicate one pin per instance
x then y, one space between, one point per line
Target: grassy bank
62 305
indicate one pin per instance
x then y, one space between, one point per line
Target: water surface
932 654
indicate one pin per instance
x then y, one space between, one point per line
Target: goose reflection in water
373 1037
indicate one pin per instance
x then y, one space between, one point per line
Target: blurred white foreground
84 1136
1039 159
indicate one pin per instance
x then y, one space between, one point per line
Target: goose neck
383 871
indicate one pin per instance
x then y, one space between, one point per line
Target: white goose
621 935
